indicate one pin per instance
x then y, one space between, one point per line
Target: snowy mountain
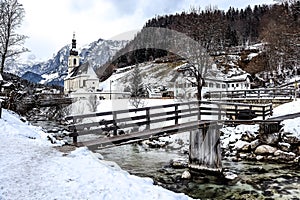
54 70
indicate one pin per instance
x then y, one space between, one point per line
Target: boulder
284 146
270 138
265 149
259 158
243 155
297 150
254 144
291 139
282 155
248 136
231 178
297 160
186 175
178 163
242 146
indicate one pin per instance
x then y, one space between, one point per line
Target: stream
257 180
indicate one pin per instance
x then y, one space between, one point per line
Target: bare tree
93 103
281 32
11 17
136 88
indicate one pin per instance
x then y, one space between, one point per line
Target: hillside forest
275 26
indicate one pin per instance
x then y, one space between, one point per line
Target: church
81 77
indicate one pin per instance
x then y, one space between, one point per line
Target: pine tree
136 88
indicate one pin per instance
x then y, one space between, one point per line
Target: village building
184 86
81 77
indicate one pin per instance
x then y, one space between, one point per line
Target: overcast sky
50 23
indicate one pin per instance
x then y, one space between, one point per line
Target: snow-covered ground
233 134
290 125
31 168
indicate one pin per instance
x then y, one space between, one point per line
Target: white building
236 82
80 76
214 81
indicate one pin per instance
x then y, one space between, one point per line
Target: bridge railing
272 93
139 119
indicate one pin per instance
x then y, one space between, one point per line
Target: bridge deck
177 114
108 142
143 135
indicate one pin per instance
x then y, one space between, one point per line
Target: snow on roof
241 77
252 55
8 84
84 69
32 169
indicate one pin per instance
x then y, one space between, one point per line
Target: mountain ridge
54 70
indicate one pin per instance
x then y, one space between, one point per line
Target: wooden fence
146 118
271 93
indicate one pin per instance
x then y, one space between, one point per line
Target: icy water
257 180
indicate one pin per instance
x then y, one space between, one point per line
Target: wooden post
236 111
271 109
264 112
115 123
74 134
205 150
219 112
148 118
176 114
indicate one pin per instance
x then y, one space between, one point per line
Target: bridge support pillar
205 150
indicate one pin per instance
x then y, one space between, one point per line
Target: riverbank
258 179
30 168
262 174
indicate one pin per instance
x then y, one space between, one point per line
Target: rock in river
265 149
285 155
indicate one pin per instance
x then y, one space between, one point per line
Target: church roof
84 69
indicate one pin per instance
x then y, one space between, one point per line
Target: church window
75 61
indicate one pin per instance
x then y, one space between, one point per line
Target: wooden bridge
268 95
121 127
146 118
47 100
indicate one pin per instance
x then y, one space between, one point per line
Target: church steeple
73 57
73 51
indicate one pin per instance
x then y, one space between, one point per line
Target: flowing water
257 180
